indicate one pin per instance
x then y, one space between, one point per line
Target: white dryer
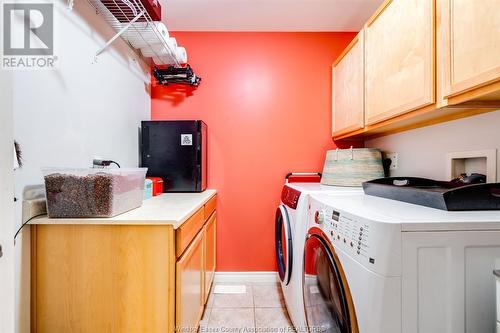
374 265
290 234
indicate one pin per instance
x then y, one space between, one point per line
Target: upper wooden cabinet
348 88
425 62
399 59
469 42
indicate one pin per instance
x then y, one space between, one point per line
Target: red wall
266 98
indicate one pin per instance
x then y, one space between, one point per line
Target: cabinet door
210 253
448 283
470 40
189 286
399 59
348 88
102 278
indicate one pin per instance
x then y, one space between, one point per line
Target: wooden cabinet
210 206
150 278
348 88
469 41
196 269
425 62
102 278
190 286
399 55
186 232
210 251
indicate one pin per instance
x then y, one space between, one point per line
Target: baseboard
246 277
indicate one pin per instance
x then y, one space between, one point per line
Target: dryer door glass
283 235
324 296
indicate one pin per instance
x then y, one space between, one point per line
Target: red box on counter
157 185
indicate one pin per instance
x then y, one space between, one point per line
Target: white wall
82 110
422 151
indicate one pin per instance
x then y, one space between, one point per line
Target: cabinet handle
1 252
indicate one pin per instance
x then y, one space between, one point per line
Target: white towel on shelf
172 43
164 60
159 49
147 28
142 34
160 54
154 50
181 55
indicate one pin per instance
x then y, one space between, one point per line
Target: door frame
7 302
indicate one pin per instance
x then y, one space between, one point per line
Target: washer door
327 302
283 236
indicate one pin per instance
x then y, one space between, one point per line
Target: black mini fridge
176 151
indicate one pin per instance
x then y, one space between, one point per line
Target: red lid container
157 185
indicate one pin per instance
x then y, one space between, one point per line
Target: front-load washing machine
374 265
290 234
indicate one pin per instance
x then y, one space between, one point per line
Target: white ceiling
267 15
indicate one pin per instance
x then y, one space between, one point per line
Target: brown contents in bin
75 196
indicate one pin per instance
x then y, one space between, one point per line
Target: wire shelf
135 24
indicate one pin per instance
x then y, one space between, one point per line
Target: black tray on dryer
436 194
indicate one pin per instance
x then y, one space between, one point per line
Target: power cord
104 163
22 226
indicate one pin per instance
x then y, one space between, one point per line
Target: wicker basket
352 167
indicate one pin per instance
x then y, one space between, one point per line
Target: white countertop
166 209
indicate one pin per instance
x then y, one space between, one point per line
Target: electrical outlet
394 160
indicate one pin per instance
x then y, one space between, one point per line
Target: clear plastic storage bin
73 193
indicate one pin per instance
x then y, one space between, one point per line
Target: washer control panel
352 233
376 245
290 197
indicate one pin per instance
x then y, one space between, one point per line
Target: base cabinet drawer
210 206
188 231
190 287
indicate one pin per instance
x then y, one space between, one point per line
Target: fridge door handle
145 140
198 149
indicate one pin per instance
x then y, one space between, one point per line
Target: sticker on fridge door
186 139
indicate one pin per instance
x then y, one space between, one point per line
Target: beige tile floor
260 309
